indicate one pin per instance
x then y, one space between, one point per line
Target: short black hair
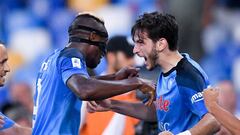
88 20
158 25
120 44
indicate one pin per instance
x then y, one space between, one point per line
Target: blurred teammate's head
154 34
227 96
21 92
119 53
88 32
18 113
4 67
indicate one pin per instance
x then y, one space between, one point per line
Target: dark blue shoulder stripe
188 76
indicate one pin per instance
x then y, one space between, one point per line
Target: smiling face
146 48
4 68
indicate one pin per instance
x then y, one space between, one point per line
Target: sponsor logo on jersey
197 97
163 126
162 104
76 62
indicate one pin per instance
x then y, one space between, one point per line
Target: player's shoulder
189 76
70 53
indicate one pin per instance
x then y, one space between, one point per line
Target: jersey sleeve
191 91
8 122
71 62
71 66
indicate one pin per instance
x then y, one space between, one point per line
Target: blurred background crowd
30 29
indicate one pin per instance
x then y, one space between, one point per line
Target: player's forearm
17 130
94 89
226 119
208 125
24 130
136 110
106 77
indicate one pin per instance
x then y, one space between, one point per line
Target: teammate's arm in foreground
96 89
123 73
136 110
1 121
206 126
224 117
8 127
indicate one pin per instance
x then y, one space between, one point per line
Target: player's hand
98 106
126 72
210 97
148 87
165 133
1 121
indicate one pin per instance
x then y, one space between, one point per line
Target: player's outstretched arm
95 89
136 110
23 130
17 130
224 117
14 129
124 73
208 125
1 121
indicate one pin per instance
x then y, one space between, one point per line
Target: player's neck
79 47
110 69
169 60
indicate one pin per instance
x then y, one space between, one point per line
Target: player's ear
161 44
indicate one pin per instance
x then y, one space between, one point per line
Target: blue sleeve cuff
8 123
67 74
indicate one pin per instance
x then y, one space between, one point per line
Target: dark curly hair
158 25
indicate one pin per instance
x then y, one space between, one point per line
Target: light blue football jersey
56 107
179 99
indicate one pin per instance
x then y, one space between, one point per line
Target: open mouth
145 58
145 62
3 76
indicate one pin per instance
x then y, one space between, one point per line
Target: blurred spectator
18 113
111 14
221 65
15 61
219 70
58 23
188 14
221 20
86 5
30 43
119 55
236 80
21 92
221 40
228 100
227 96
